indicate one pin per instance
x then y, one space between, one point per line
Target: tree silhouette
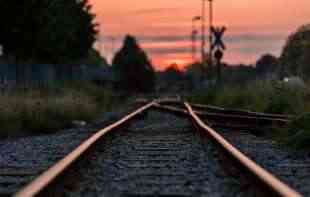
134 68
295 55
47 31
173 73
267 63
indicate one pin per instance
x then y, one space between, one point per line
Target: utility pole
210 32
113 45
203 32
194 37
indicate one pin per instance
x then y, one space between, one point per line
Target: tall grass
41 110
270 98
257 96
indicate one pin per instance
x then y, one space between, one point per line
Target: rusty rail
231 121
216 109
267 178
45 179
201 108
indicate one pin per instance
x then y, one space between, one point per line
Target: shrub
271 98
295 54
288 100
258 96
298 133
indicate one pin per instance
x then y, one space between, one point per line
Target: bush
287 100
295 54
270 98
258 96
297 135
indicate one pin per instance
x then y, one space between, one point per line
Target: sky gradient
163 27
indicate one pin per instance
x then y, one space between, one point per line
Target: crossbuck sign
218 33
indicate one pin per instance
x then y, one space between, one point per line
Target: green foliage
287 100
134 67
259 96
46 31
241 96
297 135
197 71
41 111
270 98
295 55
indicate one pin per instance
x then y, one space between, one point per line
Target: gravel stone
289 166
22 159
160 155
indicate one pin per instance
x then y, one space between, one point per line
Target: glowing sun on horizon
181 63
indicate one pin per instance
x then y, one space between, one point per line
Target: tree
94 58
266 64
47 31
134 67
173 73
295 56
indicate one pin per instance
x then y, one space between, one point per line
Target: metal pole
210 32
203 37
113 45
193 41
194 37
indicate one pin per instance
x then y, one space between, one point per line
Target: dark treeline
64 31
293 62
47 42
47 31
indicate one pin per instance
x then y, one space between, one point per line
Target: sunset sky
163 27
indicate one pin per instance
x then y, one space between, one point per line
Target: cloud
163 38
168 50
247 46
231 38
253 37
156 10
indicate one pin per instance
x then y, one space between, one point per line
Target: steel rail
270 180
240 112
227 111
47 177
184 112
225 116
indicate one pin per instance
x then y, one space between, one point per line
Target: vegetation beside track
40 111
266 97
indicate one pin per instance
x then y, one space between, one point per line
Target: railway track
149 153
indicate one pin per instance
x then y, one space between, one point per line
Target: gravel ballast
22 159
159 154
290 166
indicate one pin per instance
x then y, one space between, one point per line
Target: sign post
219 47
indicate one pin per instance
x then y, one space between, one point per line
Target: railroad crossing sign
218 33
218 54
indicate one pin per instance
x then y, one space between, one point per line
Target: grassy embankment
41 111
268 98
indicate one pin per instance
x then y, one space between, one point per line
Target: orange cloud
172 18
